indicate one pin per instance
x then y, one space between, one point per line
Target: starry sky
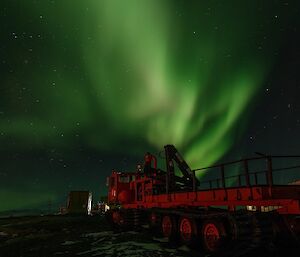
89 86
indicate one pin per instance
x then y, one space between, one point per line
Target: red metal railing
246 174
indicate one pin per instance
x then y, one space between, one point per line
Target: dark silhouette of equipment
79 202
226 214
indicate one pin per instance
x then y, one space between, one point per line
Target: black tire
188 232
213 236
169 229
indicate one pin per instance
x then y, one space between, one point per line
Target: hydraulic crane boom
188 178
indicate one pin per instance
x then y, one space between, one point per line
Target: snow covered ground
78 236
66 236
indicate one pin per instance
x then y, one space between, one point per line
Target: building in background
79 202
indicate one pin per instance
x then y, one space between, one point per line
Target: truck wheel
213 235
169 229
187 231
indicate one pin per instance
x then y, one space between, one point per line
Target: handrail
250 173
248 159
246 173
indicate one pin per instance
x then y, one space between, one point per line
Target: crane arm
172 154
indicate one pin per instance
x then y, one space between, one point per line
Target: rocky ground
46 236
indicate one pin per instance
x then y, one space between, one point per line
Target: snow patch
69 243
98 234
126 249
162 240
184 248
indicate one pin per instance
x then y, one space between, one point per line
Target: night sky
89 86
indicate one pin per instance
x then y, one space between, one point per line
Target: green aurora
121 76
156 74
187 79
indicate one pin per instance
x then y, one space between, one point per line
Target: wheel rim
167 226
186 229
211 237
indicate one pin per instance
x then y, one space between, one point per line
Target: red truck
218 214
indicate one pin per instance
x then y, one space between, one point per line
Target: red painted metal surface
207 213
285 199
141 190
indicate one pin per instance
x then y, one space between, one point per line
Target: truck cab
120 188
